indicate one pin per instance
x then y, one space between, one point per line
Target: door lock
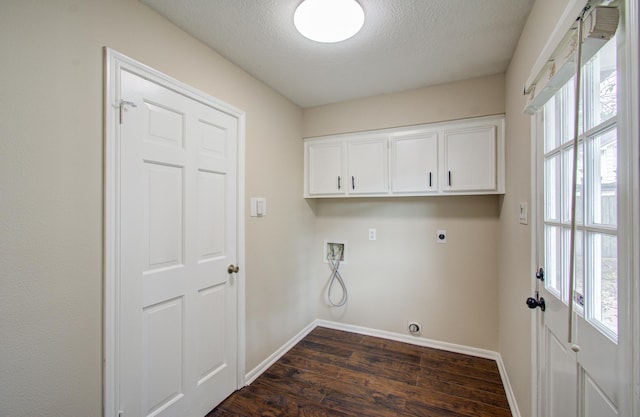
233 269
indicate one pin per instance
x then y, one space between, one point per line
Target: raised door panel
325 165
560 381
470 159
414 163
596 402
368 164
163 215
163 338
211 355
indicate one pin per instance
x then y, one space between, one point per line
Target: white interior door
178 301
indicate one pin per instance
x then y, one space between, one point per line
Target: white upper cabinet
368 166
470 158
325 168
463 157
414 163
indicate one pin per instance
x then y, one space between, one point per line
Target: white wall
469 98
51 162
515 272
404 274
470 291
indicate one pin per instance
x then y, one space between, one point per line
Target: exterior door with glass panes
580 378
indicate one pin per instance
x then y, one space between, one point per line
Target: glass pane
579 265
567 104
602 298
553 260
552 187
604 183
567 185
601 85
550 127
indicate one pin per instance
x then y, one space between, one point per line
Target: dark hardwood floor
335 373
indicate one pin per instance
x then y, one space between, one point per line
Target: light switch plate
523 216
258 207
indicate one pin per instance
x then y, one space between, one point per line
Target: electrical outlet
372 234
414 327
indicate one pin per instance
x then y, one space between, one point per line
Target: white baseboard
419 341
414 340
515 411
273 358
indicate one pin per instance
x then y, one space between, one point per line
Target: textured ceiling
404 44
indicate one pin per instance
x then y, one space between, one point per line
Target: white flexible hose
335 276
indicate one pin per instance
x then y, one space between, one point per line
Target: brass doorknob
233 269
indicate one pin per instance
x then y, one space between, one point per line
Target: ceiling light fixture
329 21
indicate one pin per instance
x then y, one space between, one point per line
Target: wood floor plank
280 376
336 342
313 362
337 334
329 348
402 372
464 391
424 387
469 371
393 345
355 405
461 379
342 374
459 408
435 355
456 404
311 379
432 354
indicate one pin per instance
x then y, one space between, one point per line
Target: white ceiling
404 44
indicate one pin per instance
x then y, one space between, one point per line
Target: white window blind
599 26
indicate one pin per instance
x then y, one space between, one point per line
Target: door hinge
124 103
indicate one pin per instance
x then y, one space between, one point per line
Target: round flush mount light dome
329 21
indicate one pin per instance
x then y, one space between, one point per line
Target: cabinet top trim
411 129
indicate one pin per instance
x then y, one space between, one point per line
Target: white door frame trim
114 62
629 121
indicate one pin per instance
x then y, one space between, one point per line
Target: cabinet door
470 159
368 166
414 163
325 166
